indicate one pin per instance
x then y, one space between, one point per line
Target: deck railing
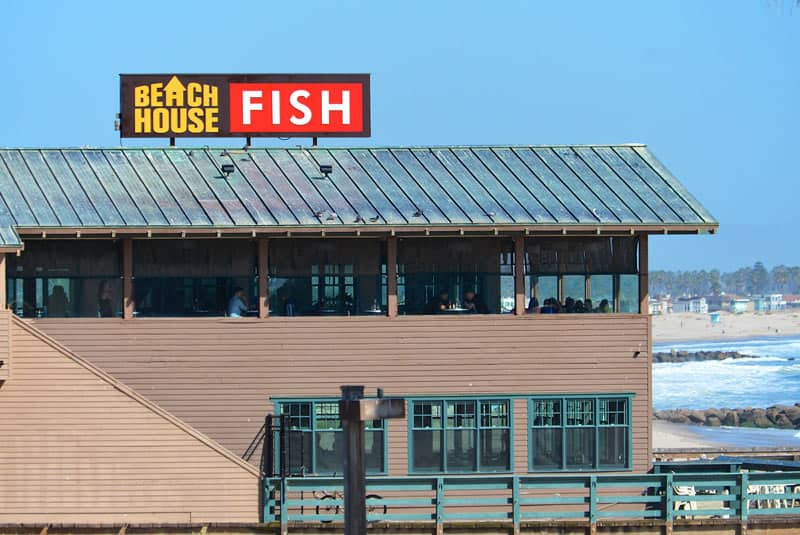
516 499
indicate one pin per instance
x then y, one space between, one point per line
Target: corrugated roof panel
183 195
383 208
93 187
51 189
37 201
133 185
154 184
423 186
75 193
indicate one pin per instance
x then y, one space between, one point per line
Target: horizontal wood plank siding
78 447
219 374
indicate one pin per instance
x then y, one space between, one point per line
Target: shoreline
687 327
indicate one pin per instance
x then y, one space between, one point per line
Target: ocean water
771 377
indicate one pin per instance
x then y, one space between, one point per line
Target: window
580 433
460 435
316 441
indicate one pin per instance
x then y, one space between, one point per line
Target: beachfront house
741 305
158 309
694 305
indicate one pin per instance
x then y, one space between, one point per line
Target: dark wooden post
355 503
127 278
391 276
644 291
519 275
263 278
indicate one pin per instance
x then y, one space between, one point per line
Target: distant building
741 305
769 303
792 300
696 305
715 302
660 305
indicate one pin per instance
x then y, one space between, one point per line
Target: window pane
574 287
547 412
613 447
494 450
629 293
299 415
461 450
547 449
580 447
602 293
580 412
548 288
329 452
427 447
373 448
494 414
300 452
327 416
613 411
461 414
427 414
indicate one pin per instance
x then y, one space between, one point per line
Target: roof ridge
309 148
131 393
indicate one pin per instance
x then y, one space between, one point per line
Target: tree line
744 281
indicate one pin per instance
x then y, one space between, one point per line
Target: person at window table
533 306
438 304
237 306
57 303
105 303
474 304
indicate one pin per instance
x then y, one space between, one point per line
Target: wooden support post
263 278
355 484
519 275
3 291
127 279
391 277
644 292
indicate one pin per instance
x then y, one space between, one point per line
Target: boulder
713 421
731 419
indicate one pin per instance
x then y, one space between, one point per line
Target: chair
684 505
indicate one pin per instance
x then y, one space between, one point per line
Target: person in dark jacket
474 304
438 303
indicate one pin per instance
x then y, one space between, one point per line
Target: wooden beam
519 275
263 278
644 292
391 277
127 279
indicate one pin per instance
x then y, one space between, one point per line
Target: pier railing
516 499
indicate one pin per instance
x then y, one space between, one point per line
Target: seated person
579 307
587 305
551 306
533 306
569 305
237 306
604 307
474 304
438 303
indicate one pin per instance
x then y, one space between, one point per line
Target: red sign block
297 108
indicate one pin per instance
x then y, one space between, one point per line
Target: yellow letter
177 120
156 94
141 121
212 119
210 95
193 99
160 121
141 96
195 120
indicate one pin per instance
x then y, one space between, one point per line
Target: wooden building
501 290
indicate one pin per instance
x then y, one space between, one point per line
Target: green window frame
316 430
460 435
575 433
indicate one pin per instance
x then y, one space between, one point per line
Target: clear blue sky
712 87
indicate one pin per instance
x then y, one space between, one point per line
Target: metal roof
370 188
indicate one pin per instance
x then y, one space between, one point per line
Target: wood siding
219 374
80 447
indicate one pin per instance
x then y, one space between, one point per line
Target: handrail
518 498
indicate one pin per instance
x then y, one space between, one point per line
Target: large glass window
316 441
327 277
582 274
194 277
456 275
460 435
579 433
65 278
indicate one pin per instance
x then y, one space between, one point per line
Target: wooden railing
516 499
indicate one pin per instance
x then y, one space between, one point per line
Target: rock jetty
782 416
686 356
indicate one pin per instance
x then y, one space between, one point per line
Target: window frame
478 400
596 426
277 407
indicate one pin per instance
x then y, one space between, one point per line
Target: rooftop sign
240 105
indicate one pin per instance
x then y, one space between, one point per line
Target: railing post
268 512
744 501
592 505
284 507
515 511
668 504
439 506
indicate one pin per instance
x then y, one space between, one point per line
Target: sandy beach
696 327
